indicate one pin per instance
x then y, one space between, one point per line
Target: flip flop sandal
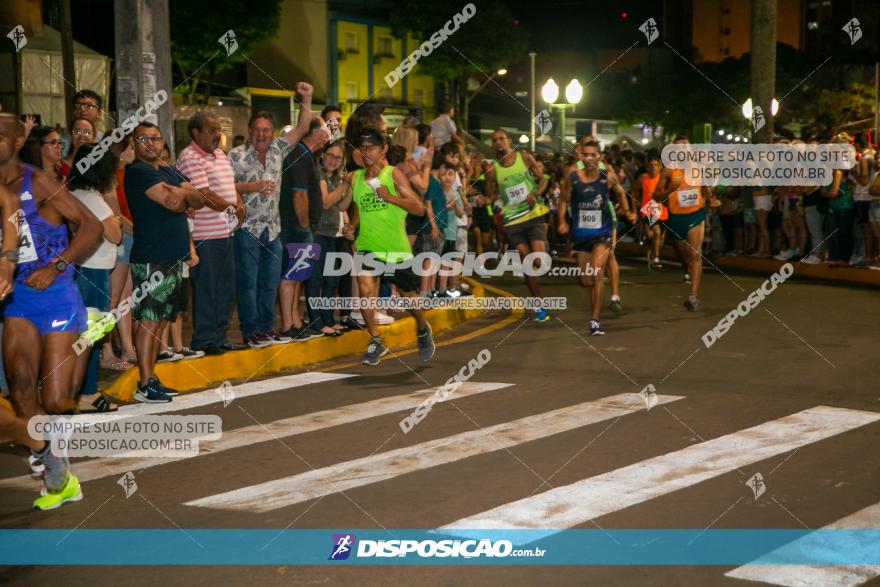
101 406
120 365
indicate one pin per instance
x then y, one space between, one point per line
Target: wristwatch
12 255
60 265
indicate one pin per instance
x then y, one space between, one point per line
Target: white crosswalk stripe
804 575
248 435
580 502
384 466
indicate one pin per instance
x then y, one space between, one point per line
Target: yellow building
365 52
345 57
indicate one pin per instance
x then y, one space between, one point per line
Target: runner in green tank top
516 181
383 197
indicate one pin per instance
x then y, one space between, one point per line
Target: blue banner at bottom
458 547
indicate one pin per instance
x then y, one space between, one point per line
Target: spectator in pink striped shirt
209 170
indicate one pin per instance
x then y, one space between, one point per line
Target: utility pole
143 60
763 67
67 68
532 121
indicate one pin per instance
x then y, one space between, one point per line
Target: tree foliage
196 27
486 42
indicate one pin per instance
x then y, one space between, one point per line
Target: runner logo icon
342 546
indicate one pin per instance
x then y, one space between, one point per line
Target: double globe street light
574 92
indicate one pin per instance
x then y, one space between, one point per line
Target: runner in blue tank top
44 314
585 195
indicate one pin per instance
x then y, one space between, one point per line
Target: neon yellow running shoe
70 492
99 324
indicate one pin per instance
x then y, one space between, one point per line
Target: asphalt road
806 345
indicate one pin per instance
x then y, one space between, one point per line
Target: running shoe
300 334
687 278
357 317
615 304
188 353
98 324
275 338
349 324
168 356
166 390
811 260
257 341
383 318
70 491
658 264
596 328
36 465
691 303
150 393
426 343
375 351
541 315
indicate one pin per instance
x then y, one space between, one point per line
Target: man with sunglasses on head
588 190
158 197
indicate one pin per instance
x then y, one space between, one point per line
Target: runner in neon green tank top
383 197
512 179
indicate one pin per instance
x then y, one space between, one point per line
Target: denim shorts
123 249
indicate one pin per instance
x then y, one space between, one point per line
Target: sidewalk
842 276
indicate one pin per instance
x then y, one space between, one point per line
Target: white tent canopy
43 81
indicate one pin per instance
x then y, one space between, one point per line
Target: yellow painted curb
207 371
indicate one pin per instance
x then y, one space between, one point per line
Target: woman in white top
93 274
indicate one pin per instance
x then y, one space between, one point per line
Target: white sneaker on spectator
785 255
811 260
383 318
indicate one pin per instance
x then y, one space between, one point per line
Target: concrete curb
839 276
207 371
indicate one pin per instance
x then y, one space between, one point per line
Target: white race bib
27 251
590 219
688 198
517 193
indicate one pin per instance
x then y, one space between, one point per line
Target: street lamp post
500 72
574 92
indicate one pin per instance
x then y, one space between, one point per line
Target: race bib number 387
517 193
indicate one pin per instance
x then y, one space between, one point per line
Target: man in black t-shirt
158 197
300 205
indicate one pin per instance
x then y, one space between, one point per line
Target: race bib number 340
590 219
688 198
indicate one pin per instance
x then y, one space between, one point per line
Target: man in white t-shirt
862 176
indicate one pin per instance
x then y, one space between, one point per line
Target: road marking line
570 505
803 575
203 398
104 467
294 489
